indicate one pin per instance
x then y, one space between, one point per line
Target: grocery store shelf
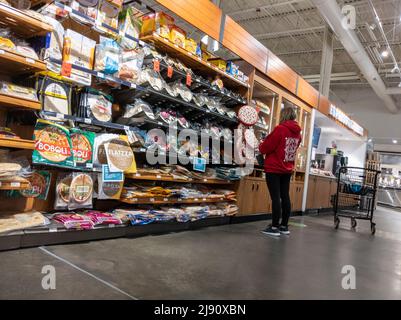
192 61
14 185
15 63
166 178
161 200
22 23
17 143
19 103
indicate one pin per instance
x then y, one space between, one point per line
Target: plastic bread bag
141 218
129 24
5 40
184 92
81 191
86 7
131 62
109 190
13 90
55 95
22 47
73 221
53 145
82 147
107 57
139 109
98 217
107 14
62 195
97 105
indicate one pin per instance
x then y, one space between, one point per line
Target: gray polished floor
228 262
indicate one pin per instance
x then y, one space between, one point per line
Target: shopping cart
356 195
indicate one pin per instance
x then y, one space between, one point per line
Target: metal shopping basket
356 195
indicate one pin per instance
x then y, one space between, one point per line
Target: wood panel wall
278 71
307 93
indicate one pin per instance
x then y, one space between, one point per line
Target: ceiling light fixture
385 53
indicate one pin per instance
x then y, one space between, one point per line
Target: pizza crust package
82 147
54 95
40 183
81 191
52 145
62 191
96 105
109 190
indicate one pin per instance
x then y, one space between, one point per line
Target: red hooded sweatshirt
280 147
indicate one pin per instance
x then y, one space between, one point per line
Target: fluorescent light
395 141
370 140
385 53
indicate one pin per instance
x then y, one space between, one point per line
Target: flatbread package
109 190
40 183
12 222
82 147
53 145
63 191
120 156
99 156
81 191
54 95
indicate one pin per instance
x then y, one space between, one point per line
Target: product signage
341 117
108 176
199 164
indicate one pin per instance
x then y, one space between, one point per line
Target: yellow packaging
206 55
219 63
178 36
190 45
159 22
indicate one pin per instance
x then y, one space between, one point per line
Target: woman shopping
280 149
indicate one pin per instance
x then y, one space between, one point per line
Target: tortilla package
82 147
52 145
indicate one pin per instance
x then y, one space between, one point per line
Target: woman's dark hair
288 113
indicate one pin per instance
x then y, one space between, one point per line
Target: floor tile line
87 273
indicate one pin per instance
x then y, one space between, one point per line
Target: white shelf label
15 184
152 199
159 123
89 165
165 199
112 225
2 52
121 33
133 85
158 177
30 60
134 199
68 9
179 200
203 199
53 229
59 116
204 180
141 43
142 150
88 121
126 128
196 199
137 174
100 74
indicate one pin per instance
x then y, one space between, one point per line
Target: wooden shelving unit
15 63
161 200
17 143
19 103
166 178
191 61
11 185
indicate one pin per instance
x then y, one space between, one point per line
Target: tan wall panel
202 14
324 105
307 93
281 73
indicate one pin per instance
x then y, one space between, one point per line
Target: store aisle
228 262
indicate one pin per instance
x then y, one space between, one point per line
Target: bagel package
53 145
82 147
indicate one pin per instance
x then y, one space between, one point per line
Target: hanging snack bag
131 62
130 24
108 14
81 190
62 191
52 145
96 105
78 50
40 183
178 36
82 147
120 156
55 95
159 22
107 58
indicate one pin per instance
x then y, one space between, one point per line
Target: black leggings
279 188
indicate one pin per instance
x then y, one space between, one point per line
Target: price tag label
141 43
15 184
30 60
53 229
156 65
204 180
196 199
112 225
89 165
68 9
88 121
100 75
179 200
175 45
66 69
137 174
152 199
133 85
142 150
121 33
189 79
170 71
59 116
165 200
158 177
160 123
2 52
199 58
126 128
134 199
204 199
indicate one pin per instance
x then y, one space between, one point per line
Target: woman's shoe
284 230
272 231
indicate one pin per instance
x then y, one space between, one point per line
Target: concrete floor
227 262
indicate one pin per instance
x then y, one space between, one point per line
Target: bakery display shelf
155 98
22 23
192 61
201 85
261 127
162 200
18 103
14 185
14 63
110 30
164 178
17 143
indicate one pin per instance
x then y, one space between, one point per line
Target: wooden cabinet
296 194
253 196
310 201
320 190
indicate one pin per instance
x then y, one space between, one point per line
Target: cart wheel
353 223
373 228
336 223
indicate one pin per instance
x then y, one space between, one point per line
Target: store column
308 161
327 62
